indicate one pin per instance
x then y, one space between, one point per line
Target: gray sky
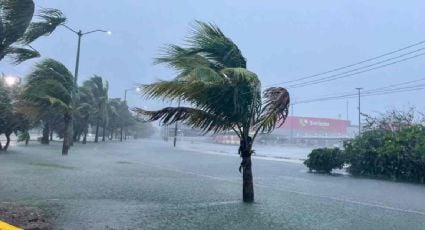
282 40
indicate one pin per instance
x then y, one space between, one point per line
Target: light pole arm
69 28
94 31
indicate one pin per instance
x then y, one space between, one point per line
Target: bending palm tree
85 111
223 94
50 86
99 90
16 28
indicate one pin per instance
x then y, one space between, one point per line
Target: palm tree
114 106
49 86
17 31
223 94
85 111
99 90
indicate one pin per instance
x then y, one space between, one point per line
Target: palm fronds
50 19
16 28
209 40
193 117
19 54
213 79
49 85
275 108
15 17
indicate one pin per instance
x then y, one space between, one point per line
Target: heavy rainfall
212 115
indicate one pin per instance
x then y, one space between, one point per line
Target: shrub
325 159
397 155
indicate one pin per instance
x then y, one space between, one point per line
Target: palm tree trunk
121 133
246 168
27 139
6 146
67 135
51 135
248 184
104 131
46 134
96 138
85 137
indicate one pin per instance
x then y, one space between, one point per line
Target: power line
374 90
339 76
365 94
351 65
353 71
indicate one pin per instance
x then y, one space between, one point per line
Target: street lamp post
80 34
125 100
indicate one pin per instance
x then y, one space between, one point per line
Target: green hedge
324 160
393 154
397 155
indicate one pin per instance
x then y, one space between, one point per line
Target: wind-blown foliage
98 89
223 94
49 87
17 30
12 120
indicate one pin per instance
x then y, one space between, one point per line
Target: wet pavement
147 184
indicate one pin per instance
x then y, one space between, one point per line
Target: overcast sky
282 40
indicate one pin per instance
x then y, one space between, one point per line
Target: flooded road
148 184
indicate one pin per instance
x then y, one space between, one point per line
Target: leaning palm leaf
15 17
19 54
195 118
275 109
50 19
211 42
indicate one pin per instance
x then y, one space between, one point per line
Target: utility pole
80 34
125 101
360 125
176 129
292 125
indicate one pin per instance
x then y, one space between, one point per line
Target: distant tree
114 105
49 87
5 113
18 31
141 128
11 119
99 91
85 111
212 77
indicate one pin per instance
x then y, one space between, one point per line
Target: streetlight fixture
125 100
138 89
11 81
80 34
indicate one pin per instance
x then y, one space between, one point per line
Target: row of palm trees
48 97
